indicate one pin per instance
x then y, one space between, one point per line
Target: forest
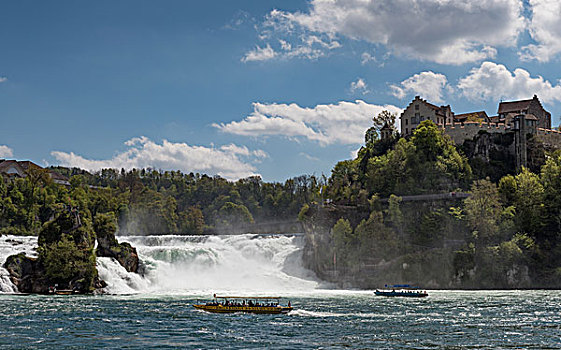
149 201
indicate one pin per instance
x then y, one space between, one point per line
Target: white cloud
429 85
260 54
366 58
238 20
360 86
495 81
443 31
341 123
545 29
309 157
3 79
230 161
6 151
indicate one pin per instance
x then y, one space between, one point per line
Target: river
155 311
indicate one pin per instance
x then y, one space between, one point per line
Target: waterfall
194 265
10 245
211 264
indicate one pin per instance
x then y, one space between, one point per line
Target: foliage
150 201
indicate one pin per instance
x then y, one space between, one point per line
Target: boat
256 305
401 290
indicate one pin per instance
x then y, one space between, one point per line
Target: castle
522 118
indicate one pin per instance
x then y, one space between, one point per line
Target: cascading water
194 265
10 245
208 264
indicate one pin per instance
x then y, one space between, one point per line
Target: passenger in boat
289 303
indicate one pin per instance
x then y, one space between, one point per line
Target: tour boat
256 305
401 290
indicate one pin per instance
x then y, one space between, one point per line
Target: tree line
149 201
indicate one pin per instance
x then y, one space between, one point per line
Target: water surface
322 319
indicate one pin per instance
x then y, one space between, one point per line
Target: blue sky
275 88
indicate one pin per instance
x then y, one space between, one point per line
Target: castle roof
471 116
517 106
514 106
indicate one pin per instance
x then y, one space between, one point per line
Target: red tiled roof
514 106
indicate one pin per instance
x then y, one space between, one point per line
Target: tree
192 221
483 209
383 118
233 215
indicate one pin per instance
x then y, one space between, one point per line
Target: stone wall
550 138
460 133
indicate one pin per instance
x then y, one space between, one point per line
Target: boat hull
248 309
401 294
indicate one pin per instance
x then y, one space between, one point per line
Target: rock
28 274
124 253
108 246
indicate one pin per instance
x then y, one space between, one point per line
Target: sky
241 88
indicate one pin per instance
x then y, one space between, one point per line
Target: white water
199 265
10 245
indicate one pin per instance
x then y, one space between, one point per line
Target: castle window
406 131
416 107
406 120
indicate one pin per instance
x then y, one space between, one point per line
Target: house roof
471 116
23 166
514 106
6 165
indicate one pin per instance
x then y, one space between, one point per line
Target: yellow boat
256 305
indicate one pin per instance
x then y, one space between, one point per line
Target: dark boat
401 290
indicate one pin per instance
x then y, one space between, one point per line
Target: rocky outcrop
66 260
124 253
27 274
108 246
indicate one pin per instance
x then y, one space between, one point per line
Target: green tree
483 209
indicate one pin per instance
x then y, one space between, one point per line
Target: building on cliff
521 118
11 169
526 107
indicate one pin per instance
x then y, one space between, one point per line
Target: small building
419 110
386 132
12 169
532 106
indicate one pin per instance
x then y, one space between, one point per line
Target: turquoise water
323 319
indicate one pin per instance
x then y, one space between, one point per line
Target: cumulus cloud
229 161
285 41
545 29
6 151
359 86
3 79
495 81
447 32
341 123
430 85
260 54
